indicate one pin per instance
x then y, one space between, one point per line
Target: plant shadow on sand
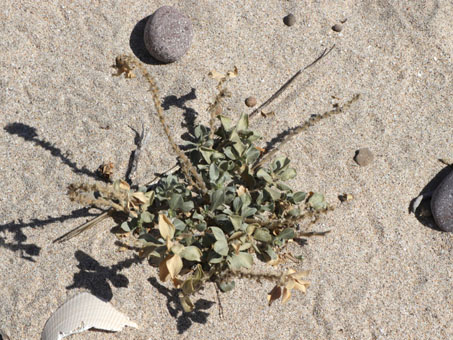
184 320
29 251
97 278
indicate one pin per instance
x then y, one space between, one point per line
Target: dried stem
80 229
188 169
313 120
285 85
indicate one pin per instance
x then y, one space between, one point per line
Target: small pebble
289 20
168 34
442 204
363 157
250 101
337 27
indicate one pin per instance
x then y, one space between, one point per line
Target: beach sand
379 274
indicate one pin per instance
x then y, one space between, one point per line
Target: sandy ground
380 274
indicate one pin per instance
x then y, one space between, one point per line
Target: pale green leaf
240 260
191 253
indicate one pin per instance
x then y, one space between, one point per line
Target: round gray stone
363 157
442 204
168 34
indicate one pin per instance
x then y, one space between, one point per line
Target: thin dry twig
141 144
285 85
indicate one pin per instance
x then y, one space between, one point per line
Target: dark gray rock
168 34
363 157
289 20
442 204
250 101
337 27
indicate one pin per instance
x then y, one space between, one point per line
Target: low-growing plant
228 200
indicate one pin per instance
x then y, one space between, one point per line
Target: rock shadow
423 211
137 43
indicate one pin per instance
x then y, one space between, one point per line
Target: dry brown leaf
106 171
241 190
174 265
232 74
275 294
166 228
286 295
139 197
164 274
216 75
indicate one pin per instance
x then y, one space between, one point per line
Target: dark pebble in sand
289 20
250 101
337 27
442 204
363 157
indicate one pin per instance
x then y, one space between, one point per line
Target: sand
379 274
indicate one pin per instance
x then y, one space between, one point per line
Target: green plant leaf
191 253
236 220
214 258
187 206
243 123
179 225
247 212
221 247
198 216
263 174
177 249
186 304
299 196
228 151
240 260
237 204
217 199
287 234
206 153
225 122
294 212
317 201
213 173
252 154
176 202
125 227
288 174
271 253
218 233
263 235
226 286
246 199
146 217
201 226
273 193
245 246
251 228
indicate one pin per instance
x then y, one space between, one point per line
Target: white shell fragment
416 203
82 312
